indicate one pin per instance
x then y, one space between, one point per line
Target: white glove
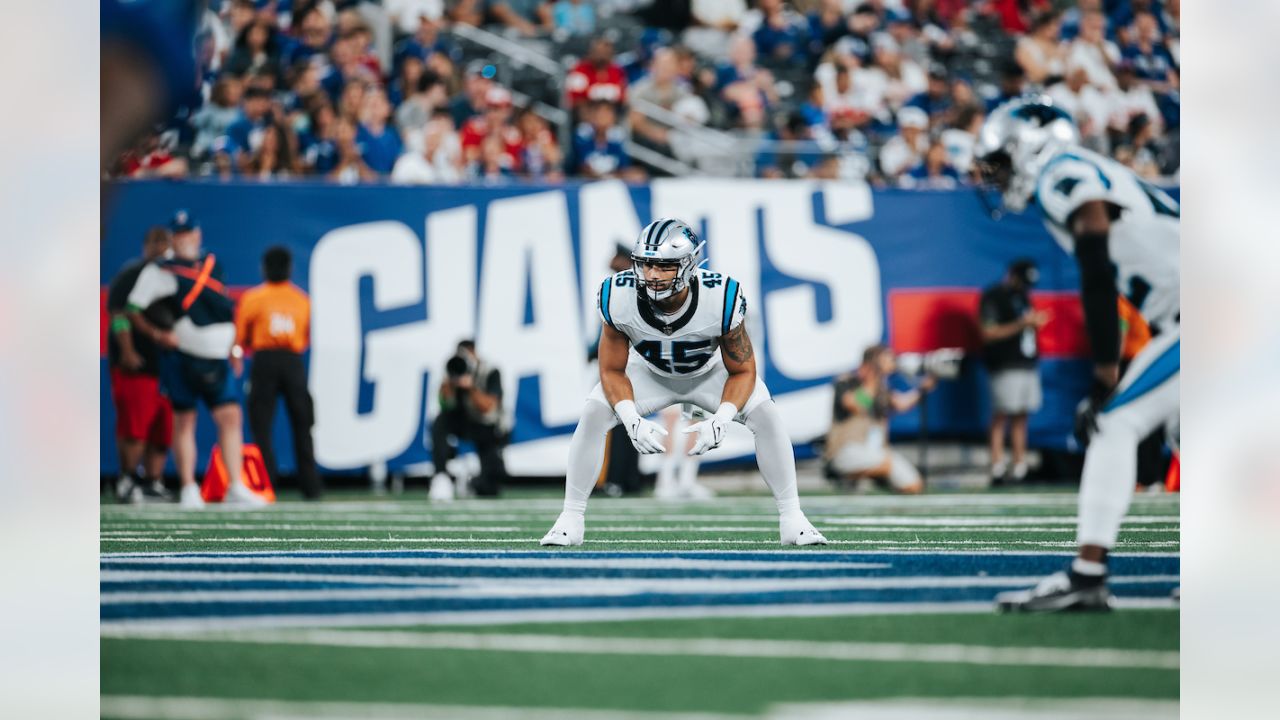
711 432
646 435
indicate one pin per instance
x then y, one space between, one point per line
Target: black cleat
1060 591
128 491
155 492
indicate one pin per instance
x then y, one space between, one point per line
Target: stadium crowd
447 91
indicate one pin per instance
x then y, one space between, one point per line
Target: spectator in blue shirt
318 144
936 99
783 35
424 42
314 33
1012 82
934 172
1126 12
244 135
597 144
827 24
409 70
379 141
476 81
1151 60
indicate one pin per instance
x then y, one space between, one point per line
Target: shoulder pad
1069 181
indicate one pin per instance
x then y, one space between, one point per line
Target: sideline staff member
1009 327
273 321
196 366
144 418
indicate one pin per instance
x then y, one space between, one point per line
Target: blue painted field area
448 611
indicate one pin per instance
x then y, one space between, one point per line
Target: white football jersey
685 344
1144 241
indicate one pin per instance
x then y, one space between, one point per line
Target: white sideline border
137 707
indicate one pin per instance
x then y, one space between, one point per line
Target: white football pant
1146 398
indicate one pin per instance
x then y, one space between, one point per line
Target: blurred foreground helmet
667 241
1014 144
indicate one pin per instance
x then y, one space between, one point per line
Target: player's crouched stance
1124 234
675 334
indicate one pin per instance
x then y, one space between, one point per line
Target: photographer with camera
1009 327
471 410
857 446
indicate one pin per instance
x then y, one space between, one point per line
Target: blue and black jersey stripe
605 290
730 302
1154 375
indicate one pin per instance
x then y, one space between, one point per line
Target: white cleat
190 497
238 494
441 489
667 492
567 531
797 530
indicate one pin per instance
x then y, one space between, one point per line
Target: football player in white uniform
1123 233
674 333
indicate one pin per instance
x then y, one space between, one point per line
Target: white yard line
506 588
717 647
168 627
1002 708
138 707
545 560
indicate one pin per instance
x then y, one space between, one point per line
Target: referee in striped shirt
273 321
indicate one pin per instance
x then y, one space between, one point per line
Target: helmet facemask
995 174
684 270
666 242
1014 145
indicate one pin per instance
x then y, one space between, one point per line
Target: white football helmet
667 241
1015 142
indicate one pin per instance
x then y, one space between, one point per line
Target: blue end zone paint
898 565
126 611
218 585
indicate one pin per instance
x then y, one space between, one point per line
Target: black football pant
275 374
485 438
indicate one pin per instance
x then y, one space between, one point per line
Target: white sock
1088 567
586 455
775 456
670 461
688 470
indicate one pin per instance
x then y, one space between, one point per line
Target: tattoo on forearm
737 345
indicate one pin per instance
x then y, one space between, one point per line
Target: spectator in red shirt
597 77
494 122
152 157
